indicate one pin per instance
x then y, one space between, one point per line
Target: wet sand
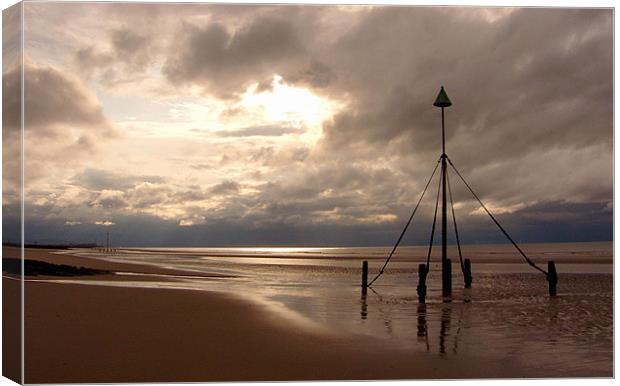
77 333
93 333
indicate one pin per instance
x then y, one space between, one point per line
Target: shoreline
484 255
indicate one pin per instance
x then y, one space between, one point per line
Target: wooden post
364 277
552 278
422 272
467 273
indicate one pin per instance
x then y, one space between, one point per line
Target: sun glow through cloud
280 105
295 106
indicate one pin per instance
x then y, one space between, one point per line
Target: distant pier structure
444 190
107 249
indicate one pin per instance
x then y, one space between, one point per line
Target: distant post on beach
552 278
422 273
467 273
364 277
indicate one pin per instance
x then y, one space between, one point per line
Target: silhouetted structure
442 101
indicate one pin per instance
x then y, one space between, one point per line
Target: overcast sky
190 124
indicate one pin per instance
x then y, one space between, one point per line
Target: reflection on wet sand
444 330
387 319
422 328
467 292
364 304
423 311
458 327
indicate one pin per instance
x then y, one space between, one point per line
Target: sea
507 314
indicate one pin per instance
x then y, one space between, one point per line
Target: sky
216 125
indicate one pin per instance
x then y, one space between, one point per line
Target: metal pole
446 274
446 271
443 136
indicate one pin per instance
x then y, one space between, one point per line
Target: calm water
507 314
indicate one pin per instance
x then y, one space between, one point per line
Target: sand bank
52 256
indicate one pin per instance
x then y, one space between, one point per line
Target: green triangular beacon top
442 99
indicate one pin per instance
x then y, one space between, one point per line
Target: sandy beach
203 192
78 332
85 333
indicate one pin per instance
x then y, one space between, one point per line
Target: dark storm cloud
545 221
532 98
63 119
225 59
143 229
226 62
531 80
51 99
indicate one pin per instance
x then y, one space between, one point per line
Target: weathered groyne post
467 273
364 277
422 273
552 278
